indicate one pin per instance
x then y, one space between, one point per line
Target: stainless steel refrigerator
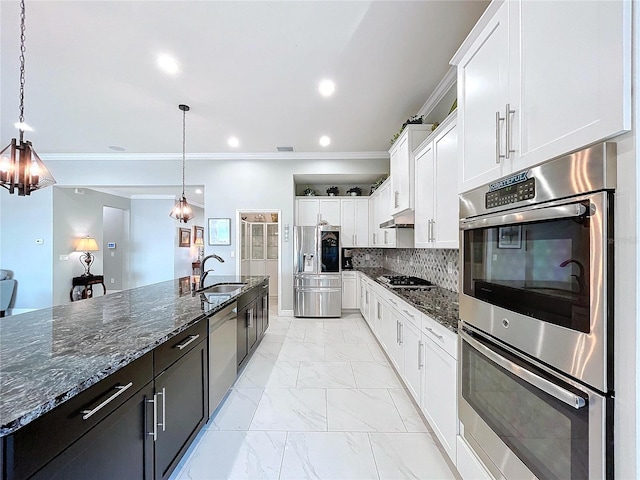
317 280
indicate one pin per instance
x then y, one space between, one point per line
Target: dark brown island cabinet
253 320
138 422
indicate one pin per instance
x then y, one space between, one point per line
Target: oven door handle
537 381
526 215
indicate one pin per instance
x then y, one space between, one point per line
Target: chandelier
21 169
182 211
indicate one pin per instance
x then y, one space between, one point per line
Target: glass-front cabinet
272 241
257 241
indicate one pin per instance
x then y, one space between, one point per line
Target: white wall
23 221
153 241
183 256
115 261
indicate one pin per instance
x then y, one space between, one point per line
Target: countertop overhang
50 355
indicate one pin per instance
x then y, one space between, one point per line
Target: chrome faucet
580 277
206 272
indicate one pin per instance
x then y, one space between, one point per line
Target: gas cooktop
405 282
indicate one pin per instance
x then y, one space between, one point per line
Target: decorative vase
332 194
354 194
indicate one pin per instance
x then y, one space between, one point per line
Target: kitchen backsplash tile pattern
439 266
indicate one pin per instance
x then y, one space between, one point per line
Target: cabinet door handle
154 434
401 340
395 199
120 389
420 361
397 332
433 230
164 404
508 133
385 237
498 140
374 238
430 330
407 312
190 340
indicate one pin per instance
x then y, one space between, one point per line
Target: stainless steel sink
225 288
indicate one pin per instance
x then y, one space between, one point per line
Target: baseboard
285 313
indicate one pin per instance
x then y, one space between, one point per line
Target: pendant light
182 210
21 169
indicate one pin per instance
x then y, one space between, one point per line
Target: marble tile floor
317 400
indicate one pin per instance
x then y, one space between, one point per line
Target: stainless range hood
405 220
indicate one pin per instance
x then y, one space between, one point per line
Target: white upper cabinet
307 210
355 222
401 165
540 79
436 209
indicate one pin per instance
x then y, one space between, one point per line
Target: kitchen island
52 356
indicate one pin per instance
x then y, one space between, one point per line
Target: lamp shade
87 244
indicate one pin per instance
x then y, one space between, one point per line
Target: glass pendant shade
182 211
21 169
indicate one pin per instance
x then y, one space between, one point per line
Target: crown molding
447 82
52 157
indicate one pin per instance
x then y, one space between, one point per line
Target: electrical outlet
64 258
450 269
113 280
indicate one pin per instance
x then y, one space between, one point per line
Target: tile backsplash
439 266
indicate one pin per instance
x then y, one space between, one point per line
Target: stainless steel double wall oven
536 309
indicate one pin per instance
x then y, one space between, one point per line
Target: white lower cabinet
349 290
395 345
468 465
413 359
423 352
439 401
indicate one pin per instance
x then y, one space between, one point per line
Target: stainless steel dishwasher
222 354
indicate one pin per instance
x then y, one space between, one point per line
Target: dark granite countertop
438 303
47 356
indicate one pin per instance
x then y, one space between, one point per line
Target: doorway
259 246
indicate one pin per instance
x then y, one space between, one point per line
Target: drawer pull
407 312
393 301
265 286
154 434
190 340
120 390
430 330
164 408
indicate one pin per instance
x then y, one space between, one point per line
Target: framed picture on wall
198 235
219 231
510 237
184 237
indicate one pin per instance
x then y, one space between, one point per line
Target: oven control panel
511 194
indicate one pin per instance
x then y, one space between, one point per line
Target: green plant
414 120
309 191
332 190
356 190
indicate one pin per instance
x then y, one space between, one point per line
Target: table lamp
87 245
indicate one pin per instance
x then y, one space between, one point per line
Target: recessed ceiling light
233 142
327 87
198 191
168 64
325 141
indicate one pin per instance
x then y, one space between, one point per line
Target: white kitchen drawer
441 336
410 313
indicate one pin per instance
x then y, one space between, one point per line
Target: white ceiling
249 69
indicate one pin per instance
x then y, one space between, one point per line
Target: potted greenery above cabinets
354 191
332 191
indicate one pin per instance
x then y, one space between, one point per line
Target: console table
87 283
